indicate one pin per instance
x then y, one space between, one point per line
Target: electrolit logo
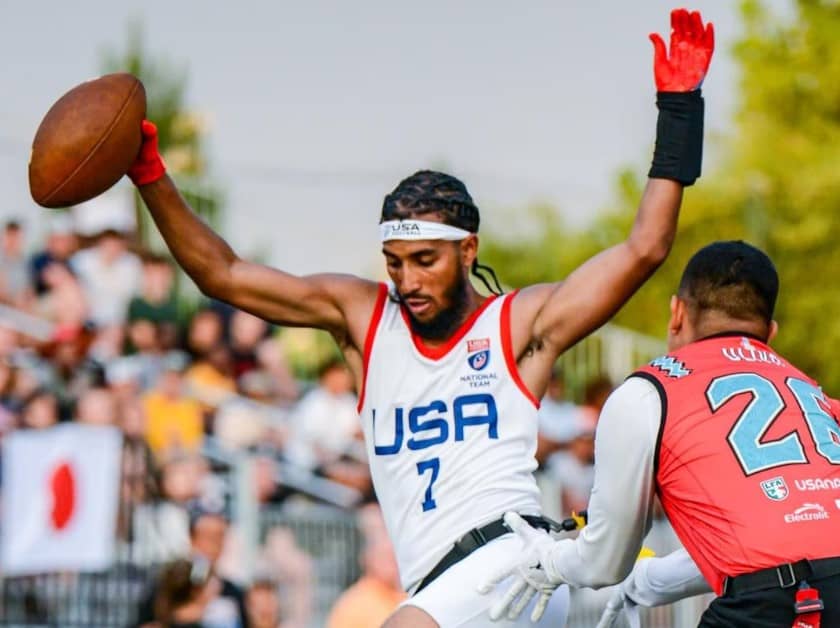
807 512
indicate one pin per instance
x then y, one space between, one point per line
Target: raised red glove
149 166
692 45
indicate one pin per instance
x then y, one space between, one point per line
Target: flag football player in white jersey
449 380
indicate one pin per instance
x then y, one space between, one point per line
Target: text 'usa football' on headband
419 230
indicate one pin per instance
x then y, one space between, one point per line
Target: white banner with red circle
60 499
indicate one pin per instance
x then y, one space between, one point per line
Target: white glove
653 582
529 578
612 610
618 602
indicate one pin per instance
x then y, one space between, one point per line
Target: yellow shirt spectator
209 384
172 423
374 596
366 604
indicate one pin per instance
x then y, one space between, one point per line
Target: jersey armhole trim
663 402
507 350
369 337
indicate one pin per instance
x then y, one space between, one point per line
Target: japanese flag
60 494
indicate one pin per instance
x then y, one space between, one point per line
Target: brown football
87 141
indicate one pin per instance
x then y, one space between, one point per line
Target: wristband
678 153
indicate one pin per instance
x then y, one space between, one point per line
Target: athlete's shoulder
526 302
524 306
353 287
358 299
348 292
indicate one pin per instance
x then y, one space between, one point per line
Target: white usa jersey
451 431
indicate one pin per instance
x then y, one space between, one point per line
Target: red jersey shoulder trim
507 350
378 308
436 353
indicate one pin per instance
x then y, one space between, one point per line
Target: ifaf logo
478 353
775 488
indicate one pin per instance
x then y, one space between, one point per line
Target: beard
447 320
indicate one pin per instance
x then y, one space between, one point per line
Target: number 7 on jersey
433 465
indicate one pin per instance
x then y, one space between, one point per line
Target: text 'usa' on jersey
450 432
748 466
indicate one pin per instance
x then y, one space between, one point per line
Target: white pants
453 600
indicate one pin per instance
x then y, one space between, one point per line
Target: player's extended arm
619 512
654 582
314 301
597 289
665 580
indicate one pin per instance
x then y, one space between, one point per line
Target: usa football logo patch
478 353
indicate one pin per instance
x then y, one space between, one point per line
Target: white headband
420 230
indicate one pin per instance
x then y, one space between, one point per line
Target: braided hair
430 192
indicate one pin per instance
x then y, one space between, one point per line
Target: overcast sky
319 108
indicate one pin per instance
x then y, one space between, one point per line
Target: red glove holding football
692 45
149 166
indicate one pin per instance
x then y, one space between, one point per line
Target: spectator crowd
91 332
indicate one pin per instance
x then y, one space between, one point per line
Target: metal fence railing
612 351
111 598
107 599
333 542
587 606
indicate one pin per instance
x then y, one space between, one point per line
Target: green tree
180 131
775 186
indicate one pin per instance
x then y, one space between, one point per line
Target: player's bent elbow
601 580
213 285
601 575
211 271
210 290
651 253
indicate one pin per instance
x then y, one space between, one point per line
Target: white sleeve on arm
619 508
657 581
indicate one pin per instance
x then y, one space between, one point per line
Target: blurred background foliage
181 130
775 185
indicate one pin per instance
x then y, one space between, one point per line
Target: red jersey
748 460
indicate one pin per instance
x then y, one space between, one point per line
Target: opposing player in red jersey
742 448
